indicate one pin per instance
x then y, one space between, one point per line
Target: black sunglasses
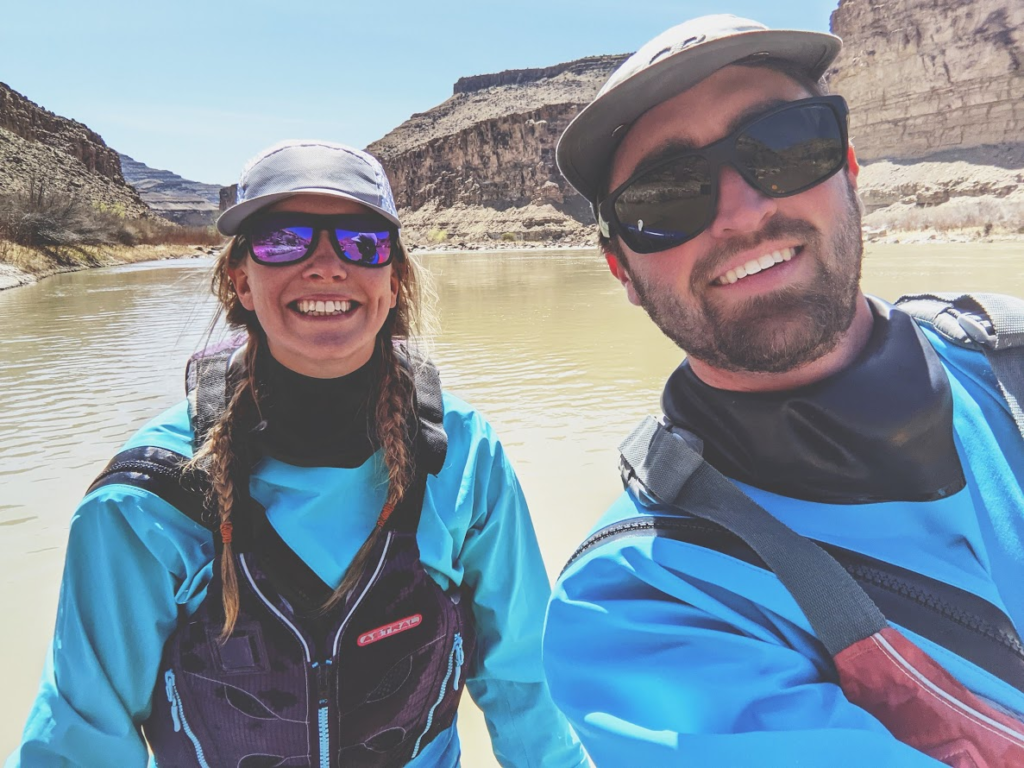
288 238
781 152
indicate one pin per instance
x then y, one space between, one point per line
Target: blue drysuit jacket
136 567
664 653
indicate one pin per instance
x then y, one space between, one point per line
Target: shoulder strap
206 385
431 439
670 471
990 322
160 472
836 588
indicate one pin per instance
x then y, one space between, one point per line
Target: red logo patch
389 629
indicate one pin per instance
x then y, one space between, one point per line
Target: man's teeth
310 307
754 266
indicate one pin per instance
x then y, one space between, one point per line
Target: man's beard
775 332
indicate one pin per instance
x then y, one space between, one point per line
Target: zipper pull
323 680
459 659
172 698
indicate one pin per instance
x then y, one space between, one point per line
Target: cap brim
231 220
585 148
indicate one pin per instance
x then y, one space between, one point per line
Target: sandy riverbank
25 266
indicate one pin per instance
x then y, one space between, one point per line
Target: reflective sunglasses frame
716 155
358 225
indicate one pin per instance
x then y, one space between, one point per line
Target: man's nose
741 208
324 264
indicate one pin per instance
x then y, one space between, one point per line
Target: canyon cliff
935 87
39 147
930 75
481 167
936 90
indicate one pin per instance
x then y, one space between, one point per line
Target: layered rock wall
501 162
488 154
924 76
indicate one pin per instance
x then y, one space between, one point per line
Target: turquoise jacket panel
136 566
666 653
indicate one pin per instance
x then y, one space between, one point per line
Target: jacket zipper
860 572
321 670
178 716
455 660
883 580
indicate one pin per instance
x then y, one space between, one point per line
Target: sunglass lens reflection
368 248
281 245
669 205
792 150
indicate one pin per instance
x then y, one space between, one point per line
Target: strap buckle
978 328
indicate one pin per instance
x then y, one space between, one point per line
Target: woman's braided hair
227 455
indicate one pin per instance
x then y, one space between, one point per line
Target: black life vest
368 683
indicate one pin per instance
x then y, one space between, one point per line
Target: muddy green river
543 343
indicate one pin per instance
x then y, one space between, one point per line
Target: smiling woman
308 560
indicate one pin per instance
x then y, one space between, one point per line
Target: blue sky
197 87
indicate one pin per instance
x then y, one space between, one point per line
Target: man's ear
618 269
852 166
240 279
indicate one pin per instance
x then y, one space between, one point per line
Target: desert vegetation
43 229
984 215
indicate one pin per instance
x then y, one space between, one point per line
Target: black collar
317 422
879 430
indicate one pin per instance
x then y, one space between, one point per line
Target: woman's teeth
754 266
317 308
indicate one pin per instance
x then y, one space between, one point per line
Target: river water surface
543 343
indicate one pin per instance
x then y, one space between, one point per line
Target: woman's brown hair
227 454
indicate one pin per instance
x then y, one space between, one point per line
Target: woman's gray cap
299 167
671 63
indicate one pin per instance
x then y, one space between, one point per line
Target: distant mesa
190 203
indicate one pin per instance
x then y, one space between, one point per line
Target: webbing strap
431 439
991 322
206 386
839 611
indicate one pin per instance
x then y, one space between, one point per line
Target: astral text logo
380 633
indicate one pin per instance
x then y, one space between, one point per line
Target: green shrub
437 236
509 237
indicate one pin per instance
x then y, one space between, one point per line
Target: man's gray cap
298 167
666 66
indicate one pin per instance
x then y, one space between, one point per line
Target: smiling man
725 190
